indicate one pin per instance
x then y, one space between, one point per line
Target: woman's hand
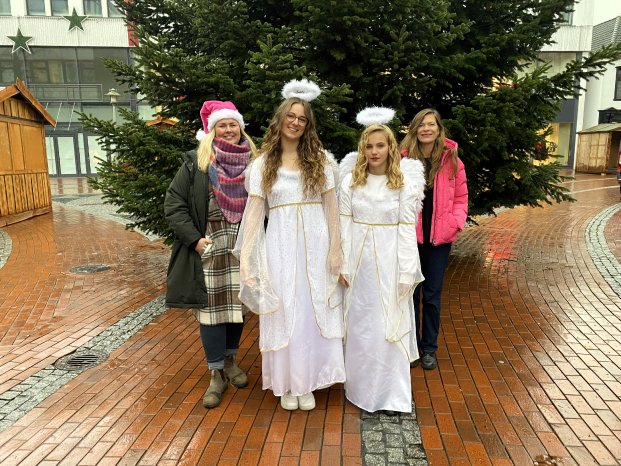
244 275
343 281
201 246
335 261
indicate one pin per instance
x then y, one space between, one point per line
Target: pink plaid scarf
226 173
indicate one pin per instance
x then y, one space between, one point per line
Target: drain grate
89 268
80 361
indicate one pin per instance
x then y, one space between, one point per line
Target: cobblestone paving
5 247
603 257
391 440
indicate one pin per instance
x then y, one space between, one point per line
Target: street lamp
113 98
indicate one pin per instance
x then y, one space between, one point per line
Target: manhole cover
89 268
79 361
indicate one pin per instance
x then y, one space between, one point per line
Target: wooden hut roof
602 128
159 121
20 89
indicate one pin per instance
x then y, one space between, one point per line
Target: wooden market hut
598 148
162 123
24 180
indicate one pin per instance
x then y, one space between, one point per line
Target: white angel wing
335 169
347 164
414 177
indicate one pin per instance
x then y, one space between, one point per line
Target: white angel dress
286 280
380 252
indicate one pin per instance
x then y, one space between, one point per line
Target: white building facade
592 25
57 48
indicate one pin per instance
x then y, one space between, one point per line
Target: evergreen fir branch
476 62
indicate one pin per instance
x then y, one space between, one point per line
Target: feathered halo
303 89
375 116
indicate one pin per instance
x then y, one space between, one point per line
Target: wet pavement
529 358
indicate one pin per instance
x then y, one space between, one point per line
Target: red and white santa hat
216 110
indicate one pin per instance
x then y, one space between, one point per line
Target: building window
113 11
36 7
37 72
92 7
618 84
5 7
60 7
7 75
560 143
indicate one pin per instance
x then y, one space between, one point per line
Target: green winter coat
185 208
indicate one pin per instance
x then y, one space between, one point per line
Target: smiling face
376 151
294 123
428 131
229 130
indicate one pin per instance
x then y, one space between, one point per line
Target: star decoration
20 41
75 20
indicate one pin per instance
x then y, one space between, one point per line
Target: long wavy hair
413 148
311 155
393 168
205 148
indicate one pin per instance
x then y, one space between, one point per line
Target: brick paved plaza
529 359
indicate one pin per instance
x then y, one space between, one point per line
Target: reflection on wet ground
529 359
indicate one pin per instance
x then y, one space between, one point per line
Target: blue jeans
433 260
220 341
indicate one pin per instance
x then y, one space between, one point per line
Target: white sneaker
306 402
289 402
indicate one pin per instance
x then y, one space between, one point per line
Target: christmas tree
470 60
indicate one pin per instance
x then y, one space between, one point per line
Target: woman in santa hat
204 206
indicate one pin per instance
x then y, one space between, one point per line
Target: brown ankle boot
217 387
236 376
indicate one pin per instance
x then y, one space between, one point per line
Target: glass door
72 153
50 150
66 153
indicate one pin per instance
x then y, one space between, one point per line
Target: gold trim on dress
256 195
294 203
376 224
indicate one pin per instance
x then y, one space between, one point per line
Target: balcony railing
68 92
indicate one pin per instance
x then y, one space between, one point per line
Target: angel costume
286 280
380 253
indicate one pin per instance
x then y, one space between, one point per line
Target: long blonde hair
412 145
393 168
311 155
205 148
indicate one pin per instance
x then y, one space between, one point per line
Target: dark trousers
433 260
220 340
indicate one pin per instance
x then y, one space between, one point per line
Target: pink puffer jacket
450 201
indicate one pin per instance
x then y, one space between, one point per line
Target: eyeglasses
291 117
